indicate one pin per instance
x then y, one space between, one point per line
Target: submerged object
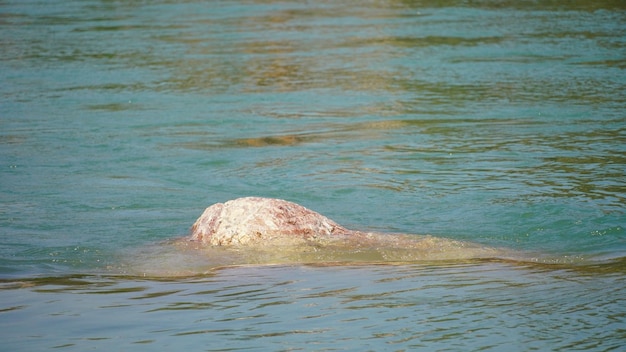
265 231
279 230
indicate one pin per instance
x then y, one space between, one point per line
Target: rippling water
494 122
486 306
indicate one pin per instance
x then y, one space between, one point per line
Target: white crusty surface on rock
253 220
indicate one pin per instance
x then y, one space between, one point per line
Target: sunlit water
495 123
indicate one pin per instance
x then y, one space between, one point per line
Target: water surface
493 122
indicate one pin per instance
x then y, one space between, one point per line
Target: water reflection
305 52
543 157
406 48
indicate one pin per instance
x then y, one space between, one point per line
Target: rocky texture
254 220
260 231
263 230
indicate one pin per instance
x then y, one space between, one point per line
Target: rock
255 220
264 230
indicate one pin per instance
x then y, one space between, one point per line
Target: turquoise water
498 123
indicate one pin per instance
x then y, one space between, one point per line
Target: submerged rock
263 231
275 230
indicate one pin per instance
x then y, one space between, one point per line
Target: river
499 123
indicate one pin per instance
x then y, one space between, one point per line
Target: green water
486 306
493 122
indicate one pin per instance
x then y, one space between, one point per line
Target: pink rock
254 220
265 230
